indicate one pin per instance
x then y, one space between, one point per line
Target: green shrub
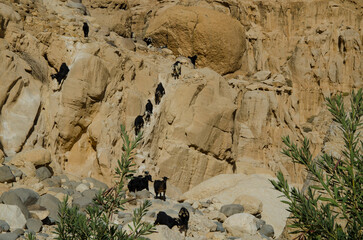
331 207
96 223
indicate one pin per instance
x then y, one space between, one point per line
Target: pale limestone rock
13 216
250 204
227 187
240 223
165 233
194 30
19 102
37 157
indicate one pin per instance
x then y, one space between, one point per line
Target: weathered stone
165 233
37 156
250 204
27 196
267 230
43 173
4 226
12 215
240 223
6 175
194 30
38 212
82 187
82 202
143 194
90 193
9 236
231 209
34 225
51 203
11 198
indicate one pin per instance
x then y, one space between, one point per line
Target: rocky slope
262 72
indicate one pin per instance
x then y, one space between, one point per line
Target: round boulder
217 39
251 204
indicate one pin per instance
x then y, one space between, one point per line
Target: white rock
251 205
240 223
12 215
82 187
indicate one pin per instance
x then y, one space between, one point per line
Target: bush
96 223
331 207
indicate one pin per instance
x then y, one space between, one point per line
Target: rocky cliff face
262 72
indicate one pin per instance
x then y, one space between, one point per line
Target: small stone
82 187
38 212
43 173
8 236
6 175
240 223
16 171
143 194
262 75
220 227
82 202
231 209
267 230
34 225
260 223
4 226
90 193
96 183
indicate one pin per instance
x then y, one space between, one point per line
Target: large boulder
7 15
12 215
216 38
251 205
240 223
37 156
19 101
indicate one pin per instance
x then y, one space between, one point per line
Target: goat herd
142 182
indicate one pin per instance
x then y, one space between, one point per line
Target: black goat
159 93
183 220
139 123
148 110
139 183
160 187
193 59
176 69
61 74
148 40
85 29
164 219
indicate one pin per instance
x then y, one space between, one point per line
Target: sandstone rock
37 156
250 204
240 223
6 175
164 233
211 35
231 209
262 75
38 212
7 14
216 215
12 215
17 119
